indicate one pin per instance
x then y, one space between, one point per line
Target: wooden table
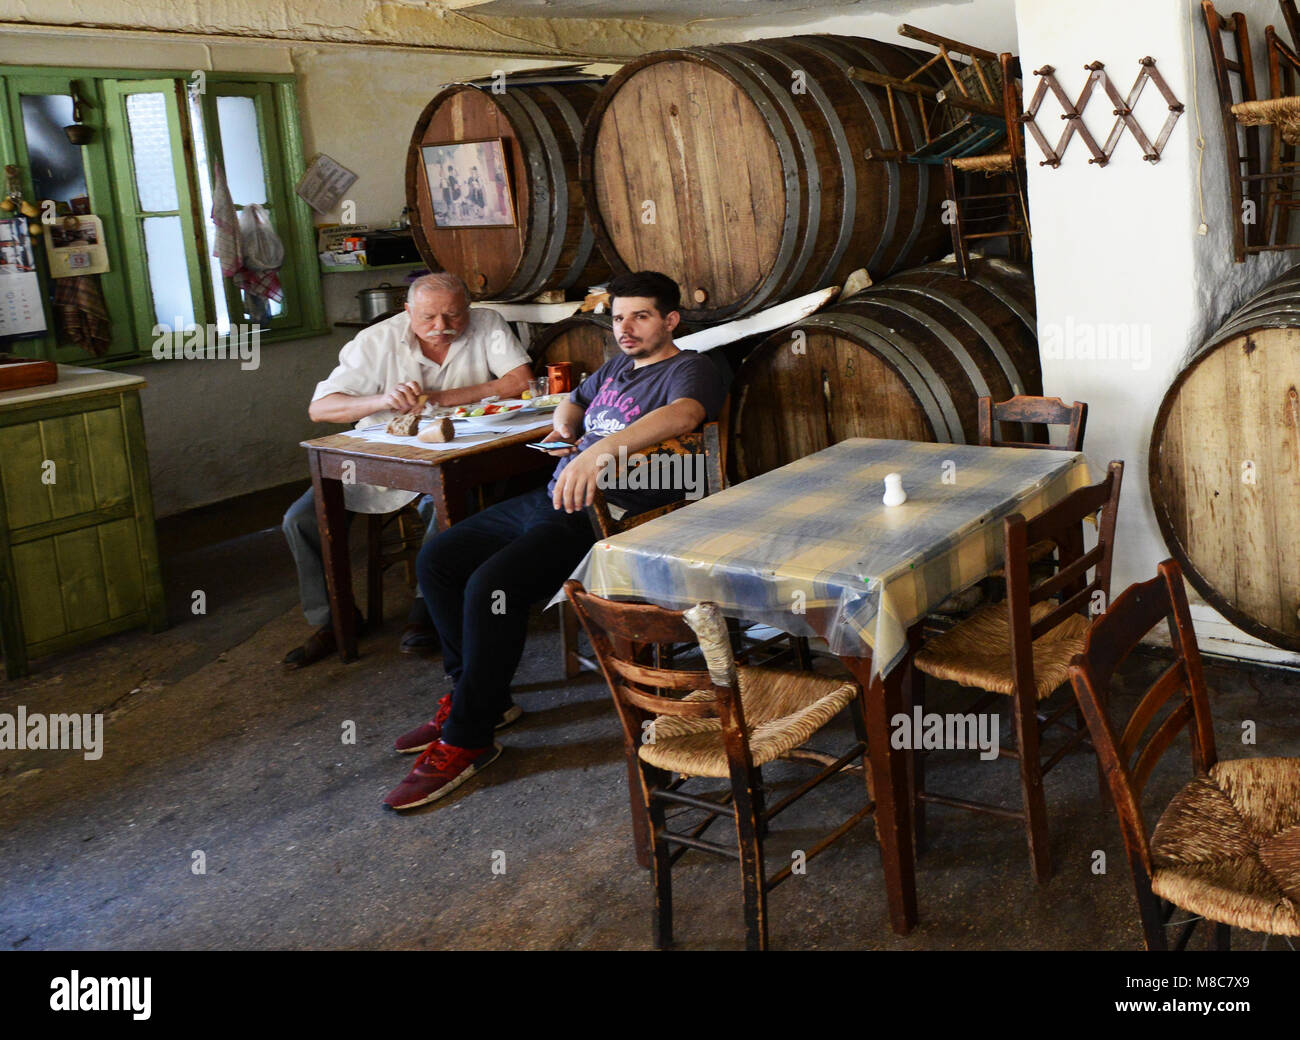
810 549
446 475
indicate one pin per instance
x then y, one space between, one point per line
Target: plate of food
548 403
488 414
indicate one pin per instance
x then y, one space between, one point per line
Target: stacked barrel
1225 466
751 172
550 246
906 359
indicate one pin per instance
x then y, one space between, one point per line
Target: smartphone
551 445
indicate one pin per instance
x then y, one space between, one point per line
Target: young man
437 346
480 577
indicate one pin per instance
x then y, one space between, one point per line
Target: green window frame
111 185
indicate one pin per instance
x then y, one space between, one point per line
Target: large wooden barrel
584 340
742 170
1224 466
906 359
551 245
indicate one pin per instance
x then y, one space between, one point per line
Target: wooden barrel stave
1224 466
906 359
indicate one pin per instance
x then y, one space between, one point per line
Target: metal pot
382 299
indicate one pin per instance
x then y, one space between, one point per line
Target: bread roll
439 431
403 425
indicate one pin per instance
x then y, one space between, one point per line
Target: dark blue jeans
479 578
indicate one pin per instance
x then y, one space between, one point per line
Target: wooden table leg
889 769
331 518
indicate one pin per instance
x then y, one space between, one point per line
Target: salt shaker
894 493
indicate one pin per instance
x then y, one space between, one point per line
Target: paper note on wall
76 247
20 290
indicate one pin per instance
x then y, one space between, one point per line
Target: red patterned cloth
265 284
81 315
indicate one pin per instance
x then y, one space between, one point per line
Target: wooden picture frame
469 184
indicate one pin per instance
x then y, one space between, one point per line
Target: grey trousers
303 535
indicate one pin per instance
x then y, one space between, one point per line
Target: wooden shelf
362 268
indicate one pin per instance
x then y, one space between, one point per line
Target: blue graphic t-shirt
617 394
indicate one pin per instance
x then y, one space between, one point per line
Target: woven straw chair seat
1228 846
1284 112
977 652
998 162
782 710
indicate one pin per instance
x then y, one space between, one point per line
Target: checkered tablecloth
810 548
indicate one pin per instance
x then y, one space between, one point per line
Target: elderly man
481 577
437 347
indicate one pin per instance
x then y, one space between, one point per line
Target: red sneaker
423 735
439 771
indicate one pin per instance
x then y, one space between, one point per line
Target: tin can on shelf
559 377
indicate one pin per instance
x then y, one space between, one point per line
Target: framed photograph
469 184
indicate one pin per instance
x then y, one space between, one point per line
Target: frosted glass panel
169 276
242 149
151 150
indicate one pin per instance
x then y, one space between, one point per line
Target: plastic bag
261 246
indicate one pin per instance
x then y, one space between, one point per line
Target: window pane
151 150
209 228
56 166
242 149
169 276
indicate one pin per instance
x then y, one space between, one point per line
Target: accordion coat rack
1123 105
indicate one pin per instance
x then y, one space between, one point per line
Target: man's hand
560 452
403 396
575 488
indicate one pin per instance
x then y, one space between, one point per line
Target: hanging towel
227 248
81 315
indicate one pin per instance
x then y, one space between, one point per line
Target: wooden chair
1259 194
706 442
383 551
1032 413
730 723
1039 411
1224 841
998 214
1022 647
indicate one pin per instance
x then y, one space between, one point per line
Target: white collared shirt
388 353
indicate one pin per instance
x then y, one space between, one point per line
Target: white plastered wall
1117 247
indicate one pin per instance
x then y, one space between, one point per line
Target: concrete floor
211 747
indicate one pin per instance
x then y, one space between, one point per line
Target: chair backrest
706 442
1292 22
1061 525
1127 759
1044 411
623 636
1238 72
1012 104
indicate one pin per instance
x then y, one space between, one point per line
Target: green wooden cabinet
78 551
